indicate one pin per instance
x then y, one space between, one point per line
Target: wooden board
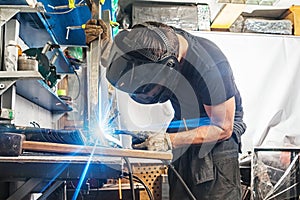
227 16
95 150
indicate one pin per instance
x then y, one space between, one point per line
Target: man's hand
156 142
95 28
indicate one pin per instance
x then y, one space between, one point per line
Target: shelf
20 75
35 31
8 78
39 93
30 86
32 25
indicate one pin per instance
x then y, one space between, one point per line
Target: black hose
191 196
130 177
79 85
145 186
150 195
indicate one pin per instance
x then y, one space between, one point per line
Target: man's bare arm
222 119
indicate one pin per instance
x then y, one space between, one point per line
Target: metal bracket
25 189
7 14
50 190
8 11
8 78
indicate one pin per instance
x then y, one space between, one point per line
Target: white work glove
156 142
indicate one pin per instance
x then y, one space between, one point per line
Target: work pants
212 175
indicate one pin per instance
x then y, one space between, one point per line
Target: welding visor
146 81
151 94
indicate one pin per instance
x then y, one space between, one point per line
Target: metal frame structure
44 174
294 158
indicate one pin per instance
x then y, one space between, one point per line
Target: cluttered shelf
266 21
256 35
223 17
41 95
29 84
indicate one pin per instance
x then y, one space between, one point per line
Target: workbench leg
52 188
25 189
4 190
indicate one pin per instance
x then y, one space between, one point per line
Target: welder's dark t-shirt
207 79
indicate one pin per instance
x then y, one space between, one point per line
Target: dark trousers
210 175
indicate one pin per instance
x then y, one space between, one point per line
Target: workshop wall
28 113
266 69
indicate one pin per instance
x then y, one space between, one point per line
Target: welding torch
112 24
137 136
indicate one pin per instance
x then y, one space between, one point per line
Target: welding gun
137 136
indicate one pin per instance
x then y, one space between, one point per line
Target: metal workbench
36 172
42 173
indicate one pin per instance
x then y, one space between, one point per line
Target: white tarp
267 72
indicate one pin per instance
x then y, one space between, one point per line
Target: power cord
79 85
191 196
130 174
139 180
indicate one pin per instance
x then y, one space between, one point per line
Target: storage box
257 25
271 21
203 17
227 16
191 17
293 14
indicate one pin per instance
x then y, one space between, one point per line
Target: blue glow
77 190
105 127
185 124
190 123
59 170
107 118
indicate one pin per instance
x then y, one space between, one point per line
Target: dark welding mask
146 80
151 93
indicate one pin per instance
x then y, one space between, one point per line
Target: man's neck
183 47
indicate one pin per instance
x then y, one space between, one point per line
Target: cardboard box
227 16
293 14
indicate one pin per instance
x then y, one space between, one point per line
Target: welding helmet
145 77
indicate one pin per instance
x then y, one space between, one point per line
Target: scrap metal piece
11 144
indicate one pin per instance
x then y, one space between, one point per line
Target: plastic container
26 63
11 56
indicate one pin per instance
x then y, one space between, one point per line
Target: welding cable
79 85
130 177
145 186
191 196
139 180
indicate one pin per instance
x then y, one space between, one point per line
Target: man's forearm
202 134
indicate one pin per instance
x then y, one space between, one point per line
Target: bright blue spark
83 175
60 168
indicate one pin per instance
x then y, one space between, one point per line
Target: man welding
155 63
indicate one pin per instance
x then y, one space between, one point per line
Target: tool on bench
149 140
137 136
46 135
13 144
